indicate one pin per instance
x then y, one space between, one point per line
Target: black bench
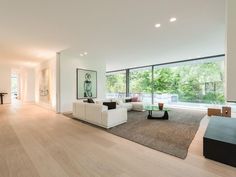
1 97
219 141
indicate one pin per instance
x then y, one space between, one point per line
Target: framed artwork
44 86
86 83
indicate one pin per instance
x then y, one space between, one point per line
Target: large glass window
116 84
187 83
140 84
192 82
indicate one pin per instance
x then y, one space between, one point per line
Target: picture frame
44 85
86 83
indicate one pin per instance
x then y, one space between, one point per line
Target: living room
118 88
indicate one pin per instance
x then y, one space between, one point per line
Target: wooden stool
226 111
214 112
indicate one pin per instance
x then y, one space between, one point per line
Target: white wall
68 64
231 50
26 78
30 85
5 82
51 65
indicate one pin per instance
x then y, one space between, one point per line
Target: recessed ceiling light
173 19
158 25
81 55
85 53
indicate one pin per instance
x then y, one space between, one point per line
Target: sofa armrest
104 108
94 112
114 117
79 110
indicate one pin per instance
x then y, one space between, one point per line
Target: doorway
15 87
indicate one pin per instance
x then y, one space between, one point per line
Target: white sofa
136 106
99 114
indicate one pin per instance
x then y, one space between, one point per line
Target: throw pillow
90 100
110 105
134 99
119 102
128 100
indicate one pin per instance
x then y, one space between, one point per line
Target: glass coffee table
152 108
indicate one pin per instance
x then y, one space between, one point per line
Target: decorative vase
160 105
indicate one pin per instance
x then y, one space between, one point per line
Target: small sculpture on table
160 106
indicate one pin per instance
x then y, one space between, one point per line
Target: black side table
219 141
164 117
1 97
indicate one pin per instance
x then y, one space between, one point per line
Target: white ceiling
120 31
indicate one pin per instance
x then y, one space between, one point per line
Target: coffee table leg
166 115
149 114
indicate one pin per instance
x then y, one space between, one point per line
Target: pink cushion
134 99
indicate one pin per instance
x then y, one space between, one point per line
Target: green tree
199 82
116 83
162 80
141 81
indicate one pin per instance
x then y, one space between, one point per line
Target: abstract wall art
44 86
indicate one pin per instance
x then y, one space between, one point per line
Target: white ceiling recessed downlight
158 25
173 19
83 54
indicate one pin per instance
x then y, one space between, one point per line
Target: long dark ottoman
219 141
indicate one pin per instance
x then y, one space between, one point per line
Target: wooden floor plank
38 142
14 162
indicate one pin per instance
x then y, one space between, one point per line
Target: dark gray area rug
172 136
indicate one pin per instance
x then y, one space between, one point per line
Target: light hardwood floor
35 142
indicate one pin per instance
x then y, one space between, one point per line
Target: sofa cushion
118 101
138 106
90 100
134 99
128 106
128 100
110 105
